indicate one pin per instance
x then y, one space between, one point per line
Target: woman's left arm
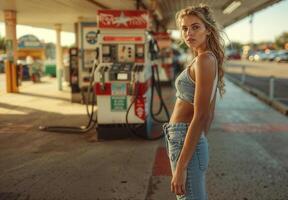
204 74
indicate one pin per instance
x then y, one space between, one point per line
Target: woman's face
194 32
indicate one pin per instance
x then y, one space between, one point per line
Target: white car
260 56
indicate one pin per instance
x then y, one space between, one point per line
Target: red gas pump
123 79
122 76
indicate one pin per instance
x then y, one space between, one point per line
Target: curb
282 108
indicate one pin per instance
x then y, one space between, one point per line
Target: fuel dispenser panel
123 53
120 72
109 53
124 72
126 53
139 53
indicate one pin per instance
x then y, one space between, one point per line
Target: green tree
281 40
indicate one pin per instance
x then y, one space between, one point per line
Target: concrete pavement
248 152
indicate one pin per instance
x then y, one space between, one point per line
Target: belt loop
165 130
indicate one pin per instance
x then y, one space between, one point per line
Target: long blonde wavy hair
215 42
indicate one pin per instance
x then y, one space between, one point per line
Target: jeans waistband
180 125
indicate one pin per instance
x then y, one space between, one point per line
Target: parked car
282 57
232 54
265 56
258 56
272 55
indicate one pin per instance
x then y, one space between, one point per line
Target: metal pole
251 29
11 48
59 58
243 75
271 87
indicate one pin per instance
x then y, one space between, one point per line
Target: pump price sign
118 103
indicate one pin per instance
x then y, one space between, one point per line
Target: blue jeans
197 166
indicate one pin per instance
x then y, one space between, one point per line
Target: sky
267 25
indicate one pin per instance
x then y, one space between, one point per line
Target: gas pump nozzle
132 81
97 54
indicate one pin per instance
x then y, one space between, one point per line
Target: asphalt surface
247 145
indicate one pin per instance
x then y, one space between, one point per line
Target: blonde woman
196 87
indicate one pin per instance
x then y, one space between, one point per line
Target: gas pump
123 79
87 36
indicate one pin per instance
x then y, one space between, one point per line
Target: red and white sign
124 19
123 39
140 108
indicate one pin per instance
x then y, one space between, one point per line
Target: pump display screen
120 72
122 76
106 49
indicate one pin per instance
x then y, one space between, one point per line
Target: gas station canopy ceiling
47 13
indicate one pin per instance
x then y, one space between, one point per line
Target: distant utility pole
251 29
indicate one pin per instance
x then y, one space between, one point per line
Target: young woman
196 86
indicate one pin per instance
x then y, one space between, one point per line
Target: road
260 69
258 76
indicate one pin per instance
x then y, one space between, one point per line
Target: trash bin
50 70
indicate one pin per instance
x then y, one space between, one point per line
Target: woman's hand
178 182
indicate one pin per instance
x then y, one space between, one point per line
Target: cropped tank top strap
215 82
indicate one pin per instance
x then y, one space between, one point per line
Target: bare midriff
182 112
